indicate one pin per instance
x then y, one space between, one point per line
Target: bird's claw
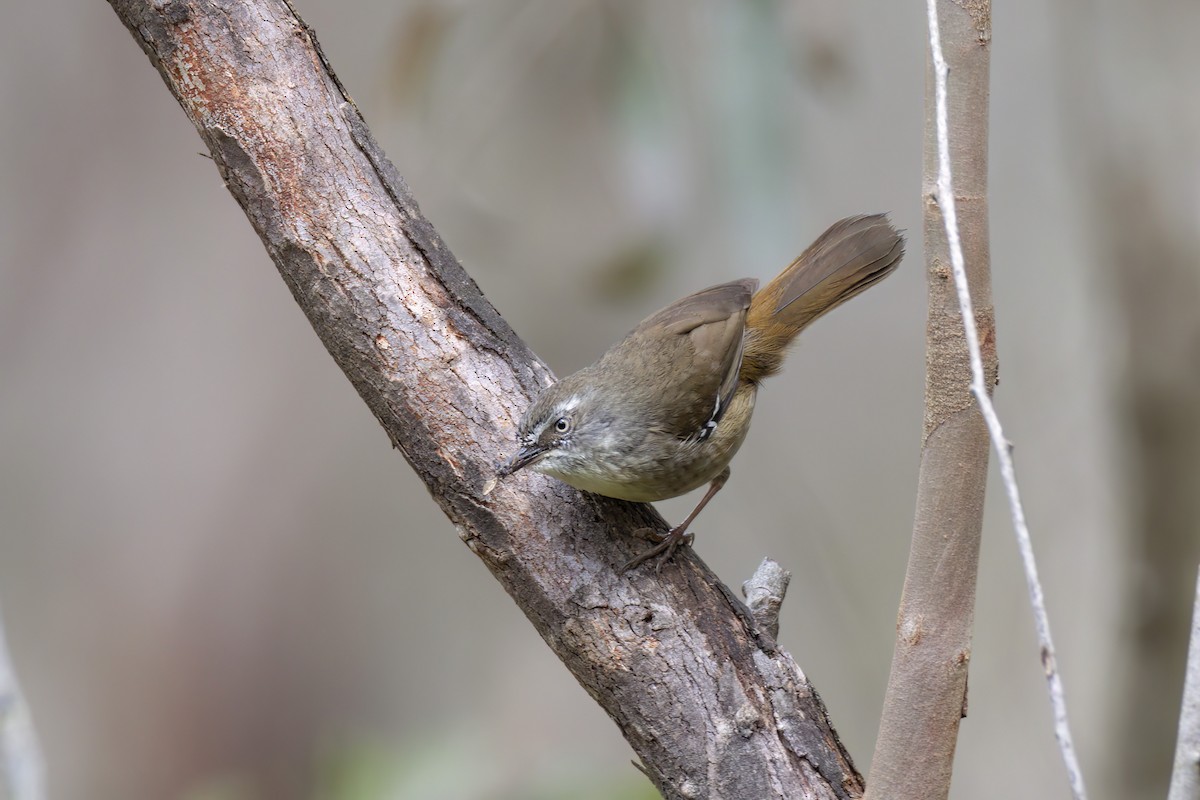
665 548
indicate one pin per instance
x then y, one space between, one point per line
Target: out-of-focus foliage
212 563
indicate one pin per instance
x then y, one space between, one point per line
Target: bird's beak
524 457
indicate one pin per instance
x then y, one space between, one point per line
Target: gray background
217 578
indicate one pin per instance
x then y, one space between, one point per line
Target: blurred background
220 582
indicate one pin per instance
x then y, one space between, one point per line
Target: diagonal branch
709 703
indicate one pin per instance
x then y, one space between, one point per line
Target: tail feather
853 255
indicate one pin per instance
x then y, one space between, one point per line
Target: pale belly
665 467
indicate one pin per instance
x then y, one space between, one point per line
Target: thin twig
1185 777
944 195
22 774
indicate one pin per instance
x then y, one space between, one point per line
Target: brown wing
687 357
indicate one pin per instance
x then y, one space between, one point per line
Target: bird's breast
660 465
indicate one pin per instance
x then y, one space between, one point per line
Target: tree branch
708 702
764 593
22 769
981 390
1185 776
927 688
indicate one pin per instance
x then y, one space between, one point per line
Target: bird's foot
665 548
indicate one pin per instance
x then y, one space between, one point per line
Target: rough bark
764 593
709 703
927 688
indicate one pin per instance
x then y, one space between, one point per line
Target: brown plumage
664 411
853 255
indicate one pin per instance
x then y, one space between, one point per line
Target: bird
664 411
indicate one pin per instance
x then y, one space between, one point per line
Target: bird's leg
678 535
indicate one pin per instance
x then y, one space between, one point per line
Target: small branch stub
764 593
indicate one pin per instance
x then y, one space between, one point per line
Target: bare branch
927 685
1185 777
711 707
764 593
22 771
981 389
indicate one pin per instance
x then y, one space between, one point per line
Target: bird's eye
562 425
